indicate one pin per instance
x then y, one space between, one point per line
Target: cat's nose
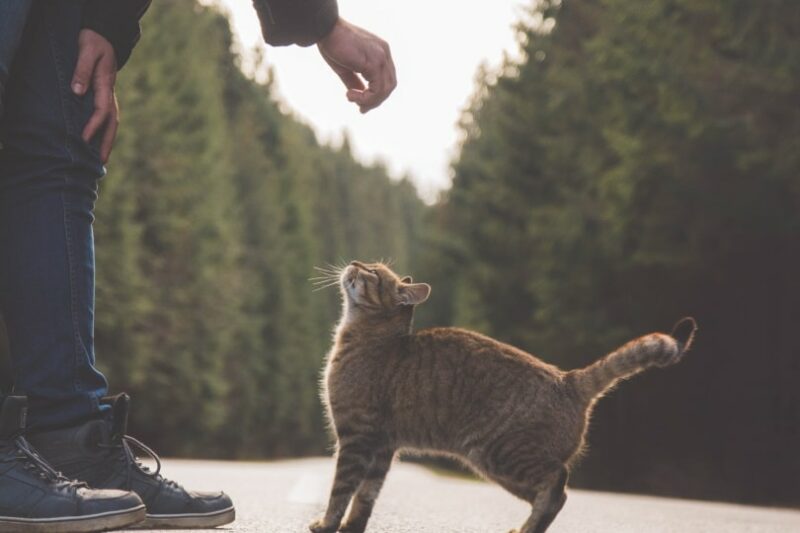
357 264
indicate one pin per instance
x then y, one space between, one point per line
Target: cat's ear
414 294
406 279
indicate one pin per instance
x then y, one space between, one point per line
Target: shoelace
32 462
132 461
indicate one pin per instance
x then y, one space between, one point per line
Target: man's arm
352 52
110 31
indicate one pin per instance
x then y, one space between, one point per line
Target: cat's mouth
349 277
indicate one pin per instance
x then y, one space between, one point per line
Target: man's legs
48 186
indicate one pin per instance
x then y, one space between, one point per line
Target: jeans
13 14
48 187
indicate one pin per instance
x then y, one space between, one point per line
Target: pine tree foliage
216 208
638 164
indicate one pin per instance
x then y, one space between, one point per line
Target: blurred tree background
639 163
216 210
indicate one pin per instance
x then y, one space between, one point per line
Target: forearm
301 22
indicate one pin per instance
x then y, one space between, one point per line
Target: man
57 131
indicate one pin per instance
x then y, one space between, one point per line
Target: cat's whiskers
325 282
329 276
325 285
324 279
316 279
327 270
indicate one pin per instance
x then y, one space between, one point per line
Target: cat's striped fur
513 418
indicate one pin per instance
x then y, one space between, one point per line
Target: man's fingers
379 89
382 80
108 140
96 68
391 70
104 102
110 133
350 79
96 121
103 108
352 51
81 78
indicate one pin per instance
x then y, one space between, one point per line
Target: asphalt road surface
283 497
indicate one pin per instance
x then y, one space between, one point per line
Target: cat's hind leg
544 487
550 498
367 493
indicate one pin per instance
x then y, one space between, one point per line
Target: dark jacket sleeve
117 21
302 22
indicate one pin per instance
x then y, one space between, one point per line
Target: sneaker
35 498
100 453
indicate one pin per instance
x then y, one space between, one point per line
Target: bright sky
437 46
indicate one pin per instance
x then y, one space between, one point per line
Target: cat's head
373 288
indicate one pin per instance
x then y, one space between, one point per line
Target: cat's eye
375 273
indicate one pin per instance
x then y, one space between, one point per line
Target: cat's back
452 389
474 349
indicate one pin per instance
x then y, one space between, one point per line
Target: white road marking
310 488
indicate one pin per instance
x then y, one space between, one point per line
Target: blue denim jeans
48 187
13 14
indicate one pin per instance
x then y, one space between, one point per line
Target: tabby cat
513 418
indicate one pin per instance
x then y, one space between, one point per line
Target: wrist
120 33
330 34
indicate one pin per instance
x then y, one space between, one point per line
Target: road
283 497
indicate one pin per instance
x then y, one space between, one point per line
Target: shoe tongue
120 405
13 415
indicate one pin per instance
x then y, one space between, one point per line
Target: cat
513 418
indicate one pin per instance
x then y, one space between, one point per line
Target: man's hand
352 51
97 67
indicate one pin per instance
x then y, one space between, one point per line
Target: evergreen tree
215 211
639 164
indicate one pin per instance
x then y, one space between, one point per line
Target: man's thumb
87 59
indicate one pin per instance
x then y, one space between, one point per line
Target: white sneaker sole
188 521
74 524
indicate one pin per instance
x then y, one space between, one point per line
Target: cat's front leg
352 463
320 526
367 493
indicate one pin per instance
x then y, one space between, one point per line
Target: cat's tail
656 349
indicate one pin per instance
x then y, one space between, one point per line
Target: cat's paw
320 526
353 527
